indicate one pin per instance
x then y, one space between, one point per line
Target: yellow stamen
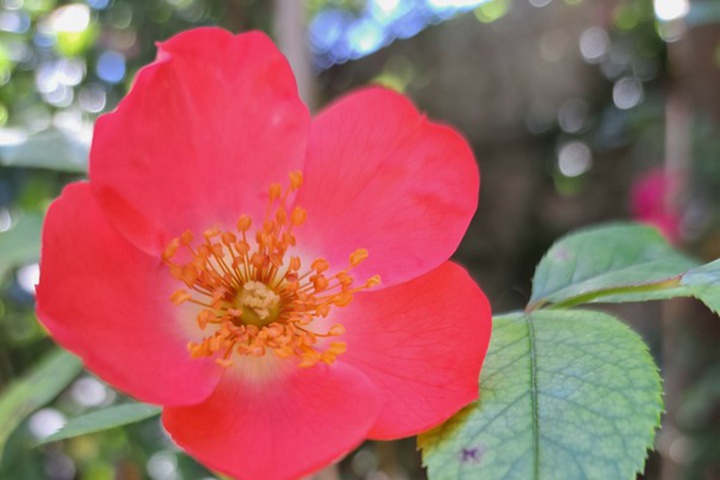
296 180
253 300
179 297
358 256
298 216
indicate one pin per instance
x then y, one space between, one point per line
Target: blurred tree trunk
290 28
693 94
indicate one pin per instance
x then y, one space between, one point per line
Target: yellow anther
320 265
296 180
274 330
242 247
224 362
195 350
344 278
257 351
358 256
319 282
258 260
372 281
243 225
294 263
216 341
328 357
179 297
170 250
337 348
205 317
288 239
275 191
310 357
268 229
336 330
211 232
228 238
343 299
323 309
298 216
284 352
186 238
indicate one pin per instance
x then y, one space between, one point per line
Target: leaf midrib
533 398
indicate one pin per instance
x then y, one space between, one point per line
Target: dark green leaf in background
104 419
563 395
42 384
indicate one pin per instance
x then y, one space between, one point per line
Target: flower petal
422 344
200 137
283 428
108 302
380 176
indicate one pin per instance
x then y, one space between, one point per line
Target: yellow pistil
253 295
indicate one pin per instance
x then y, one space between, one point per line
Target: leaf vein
534 398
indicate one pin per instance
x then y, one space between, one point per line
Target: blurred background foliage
579 111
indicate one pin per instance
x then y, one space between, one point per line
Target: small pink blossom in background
649 203
279 284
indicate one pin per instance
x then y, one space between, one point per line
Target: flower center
259 305
252 298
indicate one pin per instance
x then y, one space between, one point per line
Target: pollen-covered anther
254 297
179 297
358 256
298 216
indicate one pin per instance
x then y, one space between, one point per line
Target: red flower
648 198
179 279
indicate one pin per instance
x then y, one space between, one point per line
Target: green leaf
704 282
104 419
52 148
612 263
42 384
563 395
21 244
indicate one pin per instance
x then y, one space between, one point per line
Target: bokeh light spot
111 67
73 18
45 422
574 158
89 392
5 220
668 10
92 98
29 276
627 93
573 115
162 466
493 10
594 44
